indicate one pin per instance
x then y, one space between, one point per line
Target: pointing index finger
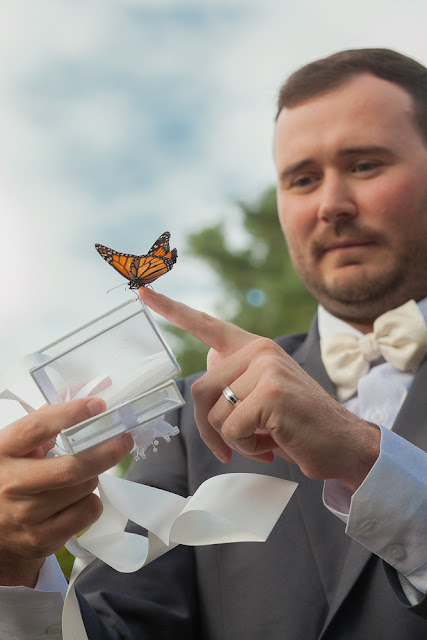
222 336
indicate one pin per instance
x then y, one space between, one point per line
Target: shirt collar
329 324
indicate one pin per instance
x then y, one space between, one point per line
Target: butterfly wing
146 269
161 248
141 270
121 262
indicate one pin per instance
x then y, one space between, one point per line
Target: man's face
352 197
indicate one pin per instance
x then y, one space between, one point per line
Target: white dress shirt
388 513
392 524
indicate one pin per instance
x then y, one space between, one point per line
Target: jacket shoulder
291 342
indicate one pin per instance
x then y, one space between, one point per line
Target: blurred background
122 119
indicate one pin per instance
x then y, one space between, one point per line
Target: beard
351 290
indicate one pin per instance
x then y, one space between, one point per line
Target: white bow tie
399 336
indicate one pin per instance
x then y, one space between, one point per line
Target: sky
122 119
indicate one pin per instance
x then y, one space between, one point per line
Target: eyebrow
372 148
295 167
346 151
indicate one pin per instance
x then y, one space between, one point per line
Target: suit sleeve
387 514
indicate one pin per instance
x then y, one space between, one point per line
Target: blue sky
119 120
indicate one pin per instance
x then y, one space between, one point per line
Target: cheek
297 224
395 202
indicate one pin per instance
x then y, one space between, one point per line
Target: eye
366 166
303 181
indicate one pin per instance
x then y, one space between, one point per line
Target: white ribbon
234 507
237 507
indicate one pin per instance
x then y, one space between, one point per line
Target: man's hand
45 501
282 410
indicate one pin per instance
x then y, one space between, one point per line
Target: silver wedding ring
230 396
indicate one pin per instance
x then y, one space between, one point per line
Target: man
351 154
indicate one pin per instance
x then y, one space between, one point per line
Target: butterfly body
144 269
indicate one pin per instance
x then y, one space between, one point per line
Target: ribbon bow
399 336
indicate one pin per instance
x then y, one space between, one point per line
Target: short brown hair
329 73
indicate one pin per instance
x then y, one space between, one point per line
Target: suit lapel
411 420
309 358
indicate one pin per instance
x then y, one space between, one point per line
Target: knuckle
247 446
86 488
232 430
9 489
31 425
23 513
91 484
38 541
65 472
266 353
272 393
197 387
274 388
91 508
263 345
214 419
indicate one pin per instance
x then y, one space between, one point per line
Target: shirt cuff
42 606
26 614
51 577
388 512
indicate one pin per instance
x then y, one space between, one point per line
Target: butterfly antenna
116 287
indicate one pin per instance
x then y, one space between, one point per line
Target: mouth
347 245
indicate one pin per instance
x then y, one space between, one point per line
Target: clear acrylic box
121 357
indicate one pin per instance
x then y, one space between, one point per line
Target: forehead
365 110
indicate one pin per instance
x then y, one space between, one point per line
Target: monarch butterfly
141 270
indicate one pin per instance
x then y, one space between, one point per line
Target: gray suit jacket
309 581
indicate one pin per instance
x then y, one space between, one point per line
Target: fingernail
95 406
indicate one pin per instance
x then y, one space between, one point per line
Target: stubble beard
355 292
357 297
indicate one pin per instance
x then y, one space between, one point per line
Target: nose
337 201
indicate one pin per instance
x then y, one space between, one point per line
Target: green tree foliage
259 288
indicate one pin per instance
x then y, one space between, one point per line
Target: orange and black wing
121 262
144 269
161 248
